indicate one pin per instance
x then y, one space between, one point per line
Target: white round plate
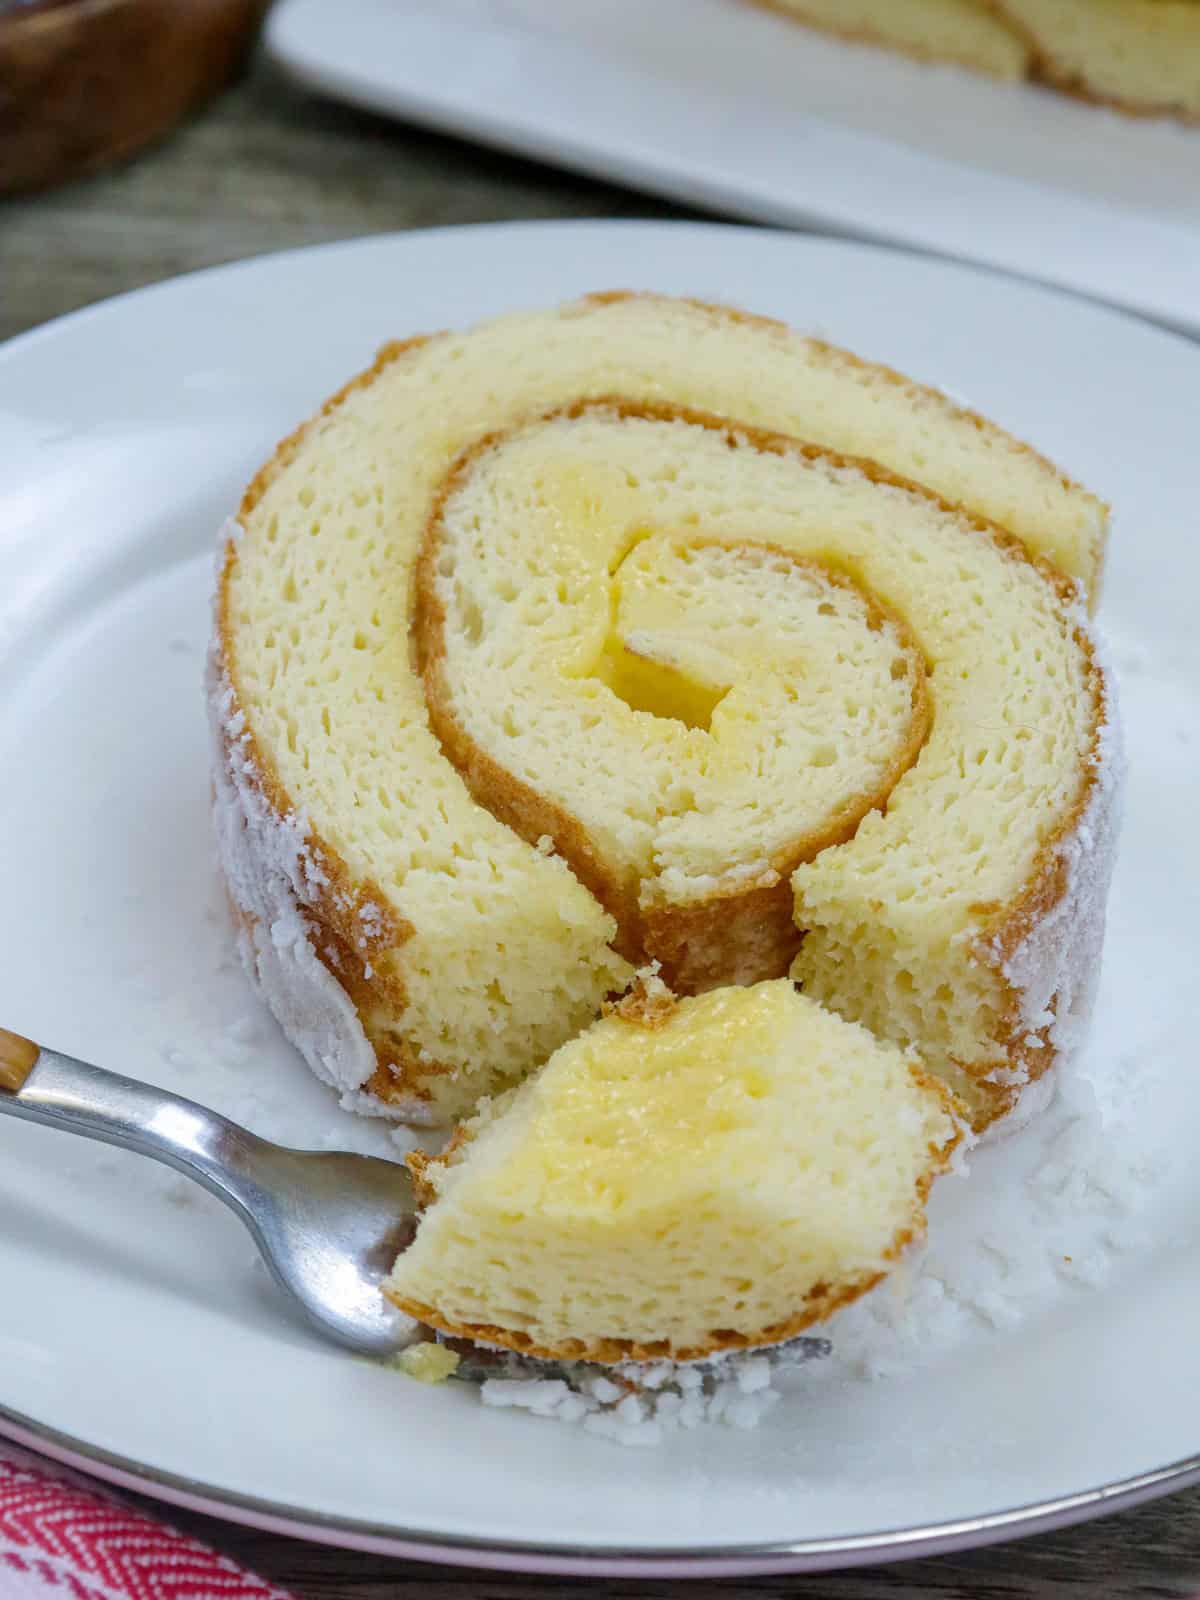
137 1335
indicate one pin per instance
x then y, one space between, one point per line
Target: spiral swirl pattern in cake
645 630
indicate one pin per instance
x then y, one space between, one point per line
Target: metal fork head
329 1226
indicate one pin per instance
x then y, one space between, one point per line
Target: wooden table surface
269 167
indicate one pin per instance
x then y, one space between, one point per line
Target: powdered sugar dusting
1054 968
637 1403
271 874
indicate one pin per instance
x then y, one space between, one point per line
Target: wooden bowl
87 82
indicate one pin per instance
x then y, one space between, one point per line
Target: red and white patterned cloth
64 1537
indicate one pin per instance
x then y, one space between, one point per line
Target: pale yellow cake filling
722 1175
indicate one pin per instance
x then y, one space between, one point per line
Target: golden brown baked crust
647 1005
821 1303
345 945
423 1168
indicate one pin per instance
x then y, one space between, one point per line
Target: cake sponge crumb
427 1362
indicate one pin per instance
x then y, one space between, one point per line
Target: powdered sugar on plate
1047 1210
637 1403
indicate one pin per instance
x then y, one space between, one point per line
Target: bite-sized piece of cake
560 645
965 32
684 1178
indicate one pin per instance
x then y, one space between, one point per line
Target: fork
329 1226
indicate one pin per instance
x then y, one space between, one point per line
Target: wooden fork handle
18 1057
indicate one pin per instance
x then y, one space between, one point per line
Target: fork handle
41 1085
18 1057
